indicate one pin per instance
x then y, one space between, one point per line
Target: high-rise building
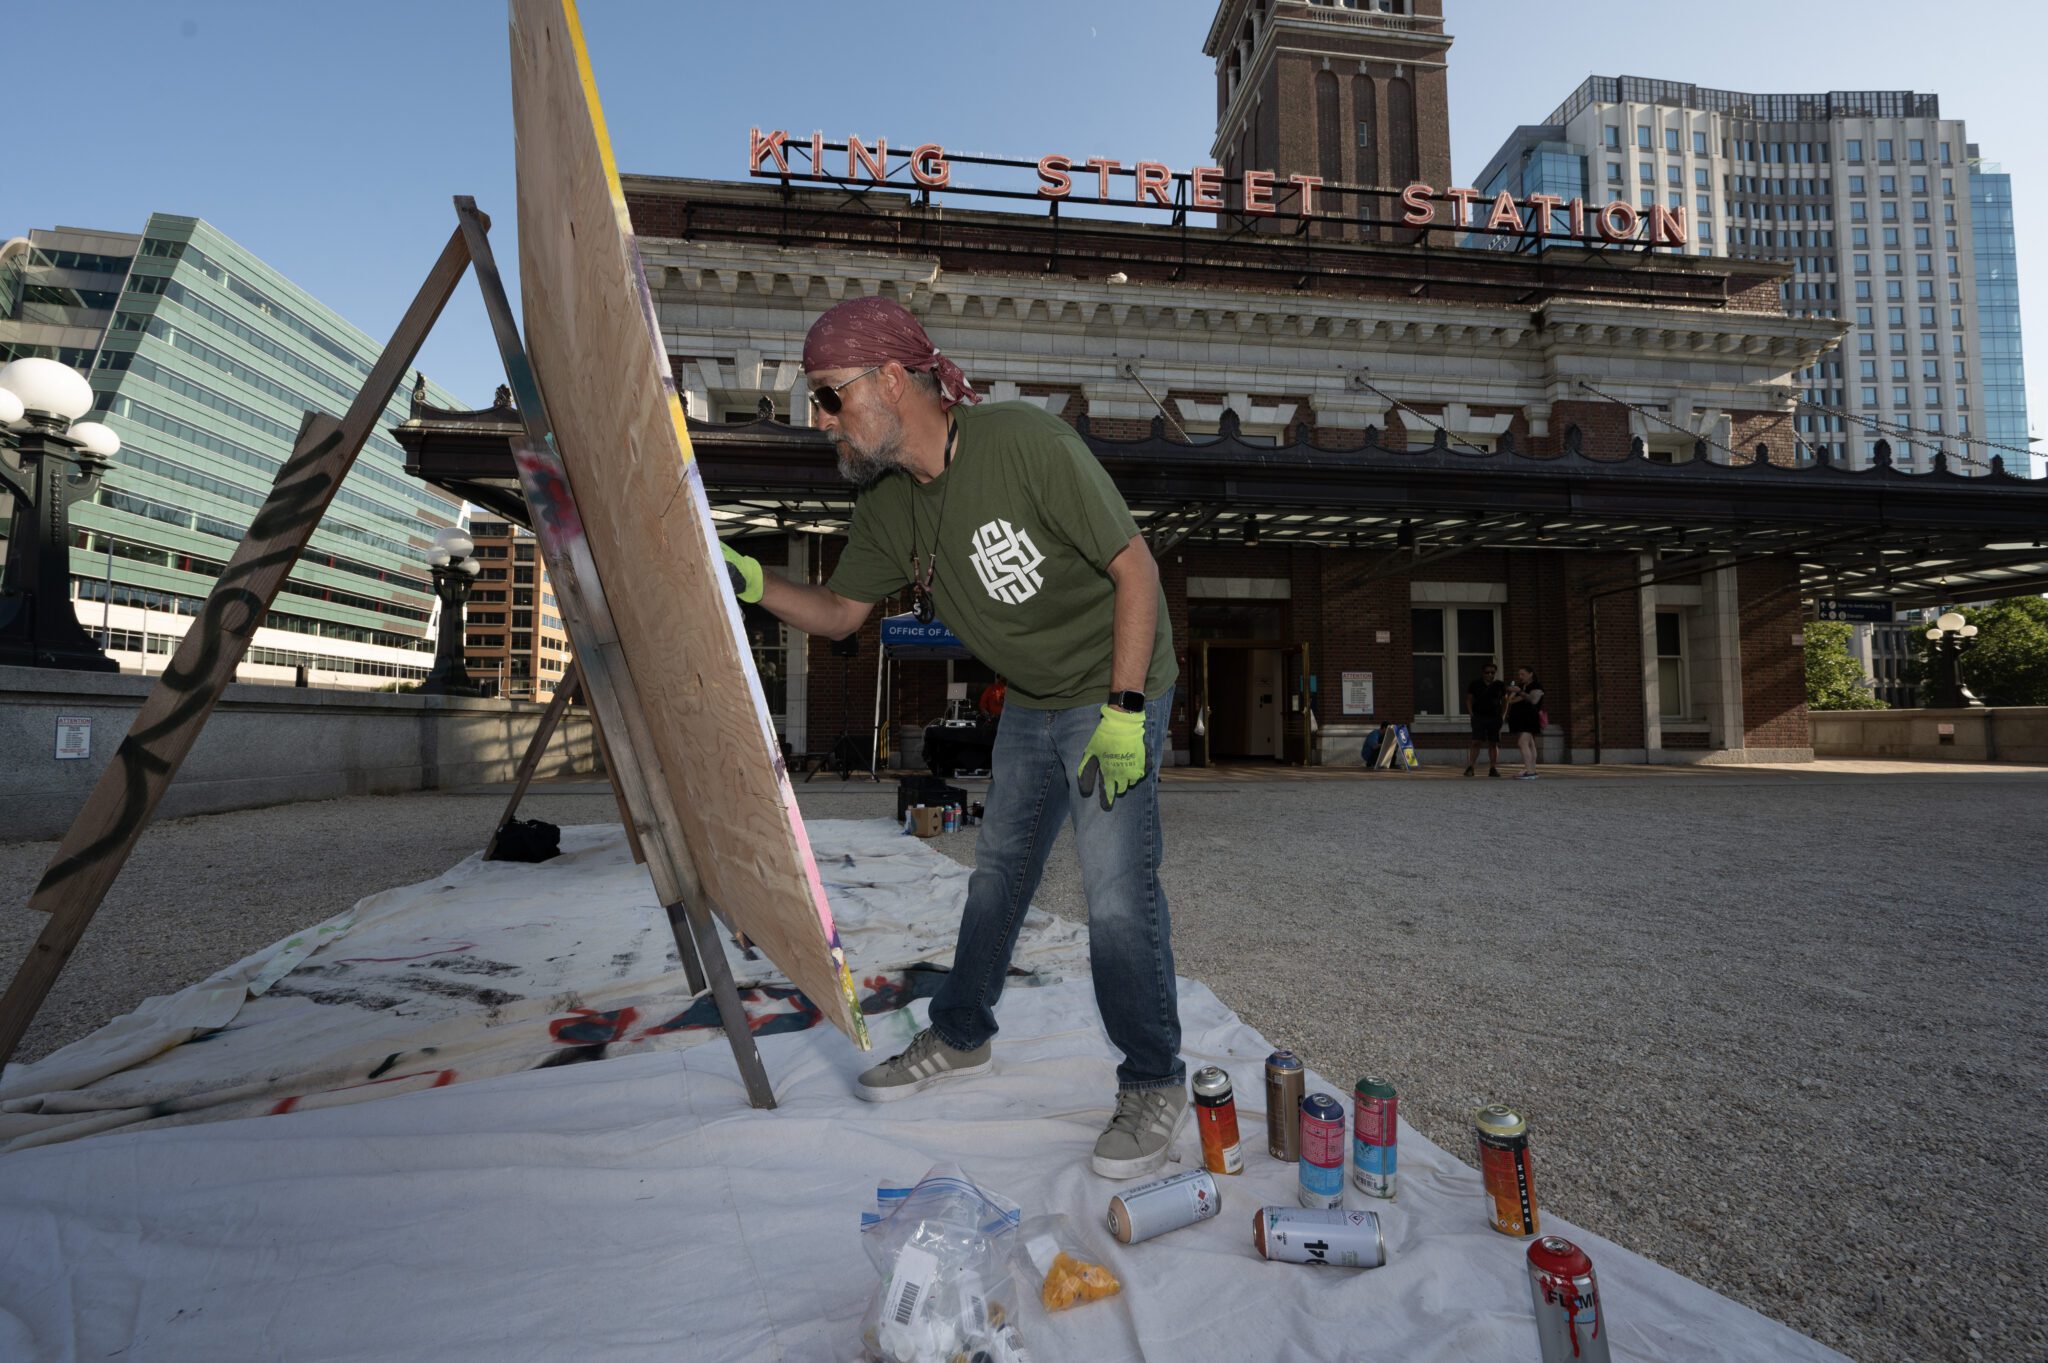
204 361
1998 308
1868 195
515 642
57 292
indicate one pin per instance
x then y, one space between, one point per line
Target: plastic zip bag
942 1249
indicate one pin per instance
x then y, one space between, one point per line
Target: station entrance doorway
1250 701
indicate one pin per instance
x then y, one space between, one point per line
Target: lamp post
454 574
1947 642
41 402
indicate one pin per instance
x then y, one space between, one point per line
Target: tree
2009 665
1834 679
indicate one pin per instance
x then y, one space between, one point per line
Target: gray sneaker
1141 1132
925 1061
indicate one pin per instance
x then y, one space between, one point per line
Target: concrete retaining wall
2004 734
265 745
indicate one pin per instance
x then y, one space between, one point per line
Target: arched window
1244 163
1329 128
1365 112
1329 131
1403 157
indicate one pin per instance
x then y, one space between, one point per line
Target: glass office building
1998 312
207 362
1869 197
1535 160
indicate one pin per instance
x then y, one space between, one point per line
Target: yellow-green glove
746 574
1116 753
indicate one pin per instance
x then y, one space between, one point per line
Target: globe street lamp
41 402
1947 642
454 574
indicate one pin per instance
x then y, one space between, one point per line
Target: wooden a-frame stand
104 833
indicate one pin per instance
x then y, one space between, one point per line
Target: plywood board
597 353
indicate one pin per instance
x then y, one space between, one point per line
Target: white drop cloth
639 1210
493 967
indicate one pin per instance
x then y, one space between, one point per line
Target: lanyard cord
924 572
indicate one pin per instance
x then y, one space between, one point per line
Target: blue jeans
1035 768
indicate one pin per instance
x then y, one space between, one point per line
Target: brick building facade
1329 335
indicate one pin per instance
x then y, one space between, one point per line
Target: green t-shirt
1026 522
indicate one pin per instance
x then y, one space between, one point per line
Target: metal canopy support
1571 500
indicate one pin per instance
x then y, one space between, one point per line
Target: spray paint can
1297 1235
1569 1321
1504 1164
948 821
1322 1151
1373 1130
1284 1079
910 818
1164 1204
1216 1115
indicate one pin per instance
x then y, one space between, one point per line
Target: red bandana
864 331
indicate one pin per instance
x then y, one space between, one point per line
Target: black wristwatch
1133 701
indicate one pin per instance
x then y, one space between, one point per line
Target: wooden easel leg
565 693
611 774
97 844
725 993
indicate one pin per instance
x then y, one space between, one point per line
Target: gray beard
865 468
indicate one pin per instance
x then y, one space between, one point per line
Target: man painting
1000 520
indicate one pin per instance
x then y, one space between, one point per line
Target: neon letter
929 167
858 156
1541 205
1667 225
1618 220
1152 179
1505 216
1102 166
759 147
1258 191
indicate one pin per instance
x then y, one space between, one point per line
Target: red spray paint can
1569 1322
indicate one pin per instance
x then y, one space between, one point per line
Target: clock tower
1350 91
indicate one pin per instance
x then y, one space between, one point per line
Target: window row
1916 149
1646 138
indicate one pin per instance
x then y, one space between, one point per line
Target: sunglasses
826 399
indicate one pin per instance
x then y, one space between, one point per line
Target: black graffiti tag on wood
205 662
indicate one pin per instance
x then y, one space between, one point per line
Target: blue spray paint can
1322 1151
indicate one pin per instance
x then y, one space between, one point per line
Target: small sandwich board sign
1398 747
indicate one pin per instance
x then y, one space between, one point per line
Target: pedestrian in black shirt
1484 701
1525 718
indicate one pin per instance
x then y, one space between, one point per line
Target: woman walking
1525 718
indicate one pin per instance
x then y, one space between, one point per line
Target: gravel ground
1763 1032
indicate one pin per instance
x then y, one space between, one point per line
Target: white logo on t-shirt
1007 562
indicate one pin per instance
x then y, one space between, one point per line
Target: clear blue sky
328 138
